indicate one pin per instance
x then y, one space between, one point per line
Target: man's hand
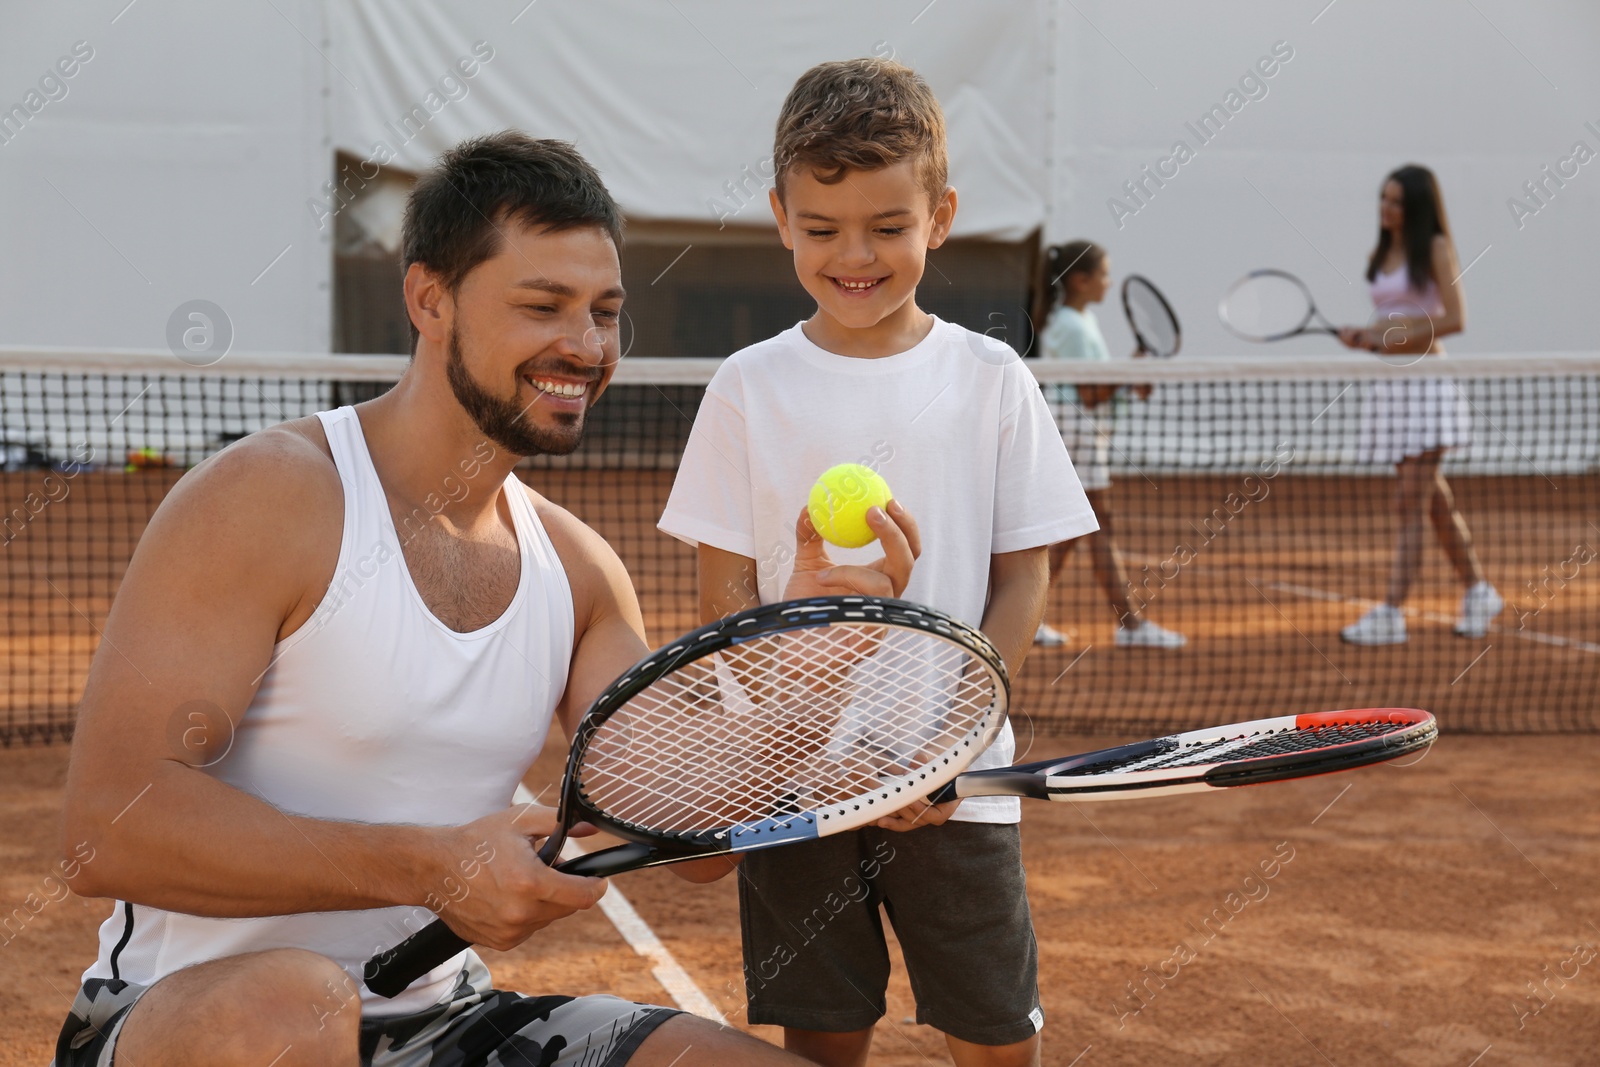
919 814
495 891
817 575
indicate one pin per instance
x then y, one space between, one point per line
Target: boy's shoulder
949 344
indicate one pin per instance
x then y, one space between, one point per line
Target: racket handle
629 857
388 974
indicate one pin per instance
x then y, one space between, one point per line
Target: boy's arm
1018 584
727 584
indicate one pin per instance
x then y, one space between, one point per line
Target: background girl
1078 273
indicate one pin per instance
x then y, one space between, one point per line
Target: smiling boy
956 424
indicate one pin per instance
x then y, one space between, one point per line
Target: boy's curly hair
862 114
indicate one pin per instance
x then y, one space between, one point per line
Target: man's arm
234 559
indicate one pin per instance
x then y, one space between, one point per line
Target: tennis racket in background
784 723
1222 757
1154 324
1271 305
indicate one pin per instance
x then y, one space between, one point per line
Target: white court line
1434 616
643 940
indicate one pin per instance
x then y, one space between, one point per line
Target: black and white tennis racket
1246 753
1154 323
1271 305
784 723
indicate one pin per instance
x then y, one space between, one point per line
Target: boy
959 429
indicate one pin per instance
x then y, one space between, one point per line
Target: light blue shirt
1072 334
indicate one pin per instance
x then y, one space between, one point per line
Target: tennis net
1249 499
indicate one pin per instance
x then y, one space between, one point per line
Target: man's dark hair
455 213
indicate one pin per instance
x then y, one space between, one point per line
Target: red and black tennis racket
1222 757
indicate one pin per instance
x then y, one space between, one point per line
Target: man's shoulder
595 573
582 550
288 464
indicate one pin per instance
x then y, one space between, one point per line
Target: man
338 648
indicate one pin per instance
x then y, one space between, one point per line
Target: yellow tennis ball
839 501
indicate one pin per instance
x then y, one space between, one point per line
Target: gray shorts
478 1025
815 957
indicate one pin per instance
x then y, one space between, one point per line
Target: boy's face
860 244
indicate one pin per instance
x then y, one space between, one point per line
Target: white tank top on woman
1409 416
375 711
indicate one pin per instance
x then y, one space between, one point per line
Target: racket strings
780 726
1250 746
1266 306
1152 319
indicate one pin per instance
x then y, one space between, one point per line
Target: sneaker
1383 625
1048 637
1148 635
1479 606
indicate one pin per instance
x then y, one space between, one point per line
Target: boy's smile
860 246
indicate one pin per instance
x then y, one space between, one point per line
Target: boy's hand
817 575
919 814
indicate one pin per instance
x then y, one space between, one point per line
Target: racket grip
388 974
615 860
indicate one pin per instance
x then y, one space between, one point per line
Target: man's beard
505 421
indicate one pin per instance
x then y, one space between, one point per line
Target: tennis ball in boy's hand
839 501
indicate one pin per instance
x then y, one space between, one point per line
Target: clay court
1415 907
1409 907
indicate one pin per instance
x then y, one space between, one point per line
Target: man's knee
228 1010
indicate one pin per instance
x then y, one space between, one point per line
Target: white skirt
1087 436
1409 416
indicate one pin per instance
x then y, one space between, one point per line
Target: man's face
534 338
860 245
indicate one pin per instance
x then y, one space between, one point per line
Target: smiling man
302 730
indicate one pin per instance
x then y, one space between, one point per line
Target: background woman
1079 274
1412 422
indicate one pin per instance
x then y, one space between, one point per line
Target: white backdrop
175 168
185 159
1460 87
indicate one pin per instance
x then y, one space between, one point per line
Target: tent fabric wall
676 103
175 165
1485 94
188 159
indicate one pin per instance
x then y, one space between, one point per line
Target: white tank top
1391 291
375 711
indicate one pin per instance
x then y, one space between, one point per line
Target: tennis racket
1154 324
1246 753
780 724
1271 305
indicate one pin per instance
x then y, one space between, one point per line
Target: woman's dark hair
454 214
1074 257
1422 217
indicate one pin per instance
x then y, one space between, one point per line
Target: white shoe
1383 625
1479 606
1048 637
1148 635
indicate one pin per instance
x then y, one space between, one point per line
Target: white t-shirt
957 427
